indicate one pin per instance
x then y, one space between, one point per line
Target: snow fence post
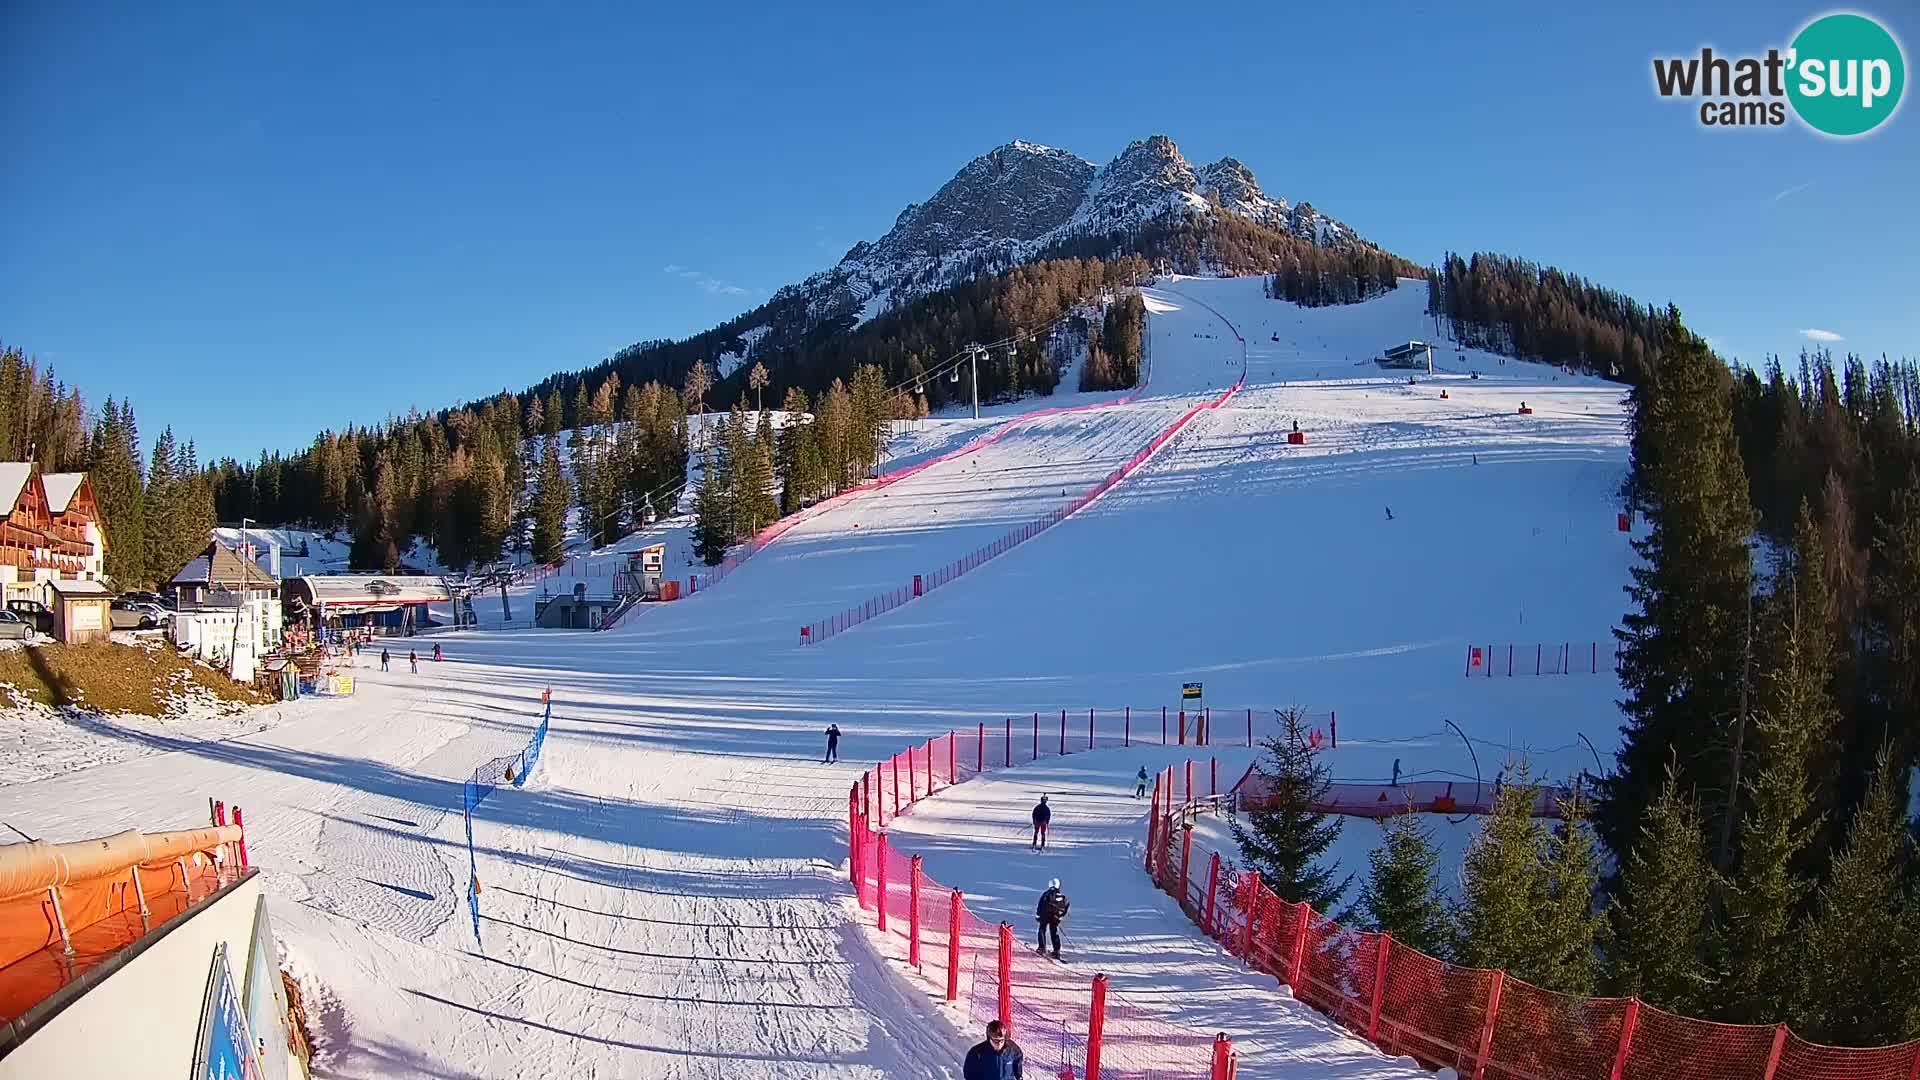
896 785
242 843
1006 977
1189 789
953 753
1096 1026
1213 780
880 890
1063 733
1090 743
1493 1013
1126 733
853 838
913 913
1008 761
1186 857
1253 911
1381 950
930 766
1627 1025
916 585
1036 736
1249 727
1183 727
955 903
980 751
1222 1058
1299 956
1213 888
1333 728
1153 824
1773 1055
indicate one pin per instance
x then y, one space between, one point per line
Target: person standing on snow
997 1057
1140 787
385 658
1042 816
833 744
413 659
1051 910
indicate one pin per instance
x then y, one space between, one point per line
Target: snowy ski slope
664 898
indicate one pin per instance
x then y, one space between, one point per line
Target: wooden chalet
51 531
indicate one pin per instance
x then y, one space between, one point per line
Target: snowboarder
1396 772
1051 910
997 1057
1042 816
413 661
385 658
1140 783
833 744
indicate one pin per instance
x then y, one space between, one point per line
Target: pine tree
1401 894
793 453
1571 927
1894 602
1506 890
1862 958
165 514
120 493
1755 943
756 481
757 380
1285 838
712 531
1659 916
555 414
699 381
550 500
1682 656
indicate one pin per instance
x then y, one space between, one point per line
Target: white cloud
706 281
1825 336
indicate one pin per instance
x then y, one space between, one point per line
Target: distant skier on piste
1140 783
1042 816
1051 910
833 744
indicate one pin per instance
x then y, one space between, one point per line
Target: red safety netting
1476 1021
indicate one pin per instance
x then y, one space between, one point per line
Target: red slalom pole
1213 888
880 890
1006 977
1096 1026
913 912
242 826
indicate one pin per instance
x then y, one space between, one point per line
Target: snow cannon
1525 409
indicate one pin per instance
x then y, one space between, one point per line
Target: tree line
1519 308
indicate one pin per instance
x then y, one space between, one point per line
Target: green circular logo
1846 74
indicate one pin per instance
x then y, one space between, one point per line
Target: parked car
34 612
14 628
134 615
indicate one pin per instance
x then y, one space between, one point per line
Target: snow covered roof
13 479
219 566
80 588
61 487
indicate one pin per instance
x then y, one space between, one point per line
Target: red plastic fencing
1509 659
814 633
1484 1024
1064 1025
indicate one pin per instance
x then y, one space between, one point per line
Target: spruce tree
1756 945
1285 837
1683 647
712 531
166 514
550 506
1401 894
1571 926
1862 958
1506 887
794 454
1659 916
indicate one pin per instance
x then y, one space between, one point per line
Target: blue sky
258 221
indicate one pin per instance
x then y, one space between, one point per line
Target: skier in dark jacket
998 1057
833 744
385 656
1051 909
1042 814
1140 785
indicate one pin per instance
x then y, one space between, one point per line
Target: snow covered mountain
1014 203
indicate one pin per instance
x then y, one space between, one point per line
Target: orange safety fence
67 907
1482 1023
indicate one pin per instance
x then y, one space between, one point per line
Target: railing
1514 659
1481 1023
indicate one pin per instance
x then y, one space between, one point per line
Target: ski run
667 896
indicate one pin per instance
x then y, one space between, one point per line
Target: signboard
653 560
266 996
1190 691
85 616
225 1050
